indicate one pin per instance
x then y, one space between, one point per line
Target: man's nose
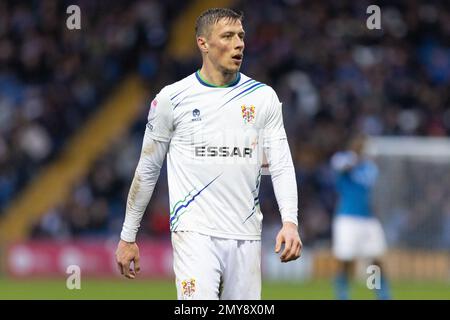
239 43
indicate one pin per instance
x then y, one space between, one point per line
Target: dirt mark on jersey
148 149
135 187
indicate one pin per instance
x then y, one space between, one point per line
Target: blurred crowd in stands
333 75
53 78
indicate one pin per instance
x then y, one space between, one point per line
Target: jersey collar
207 84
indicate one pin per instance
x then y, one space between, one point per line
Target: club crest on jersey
248 113
188 288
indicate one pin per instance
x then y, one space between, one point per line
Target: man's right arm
158 134
147 173
145 177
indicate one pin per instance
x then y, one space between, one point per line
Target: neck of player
216 77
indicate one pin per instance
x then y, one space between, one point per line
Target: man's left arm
282 172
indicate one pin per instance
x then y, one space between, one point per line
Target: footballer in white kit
215 155
215 138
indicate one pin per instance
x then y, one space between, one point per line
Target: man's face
226 45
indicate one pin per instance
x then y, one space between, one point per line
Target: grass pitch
107 289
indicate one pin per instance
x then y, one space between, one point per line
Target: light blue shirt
355 184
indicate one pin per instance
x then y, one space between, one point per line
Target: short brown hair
212 16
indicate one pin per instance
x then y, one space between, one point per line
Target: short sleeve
160 118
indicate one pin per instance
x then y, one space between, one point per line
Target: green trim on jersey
173 209
208 84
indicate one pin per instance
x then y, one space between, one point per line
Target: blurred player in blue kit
357 233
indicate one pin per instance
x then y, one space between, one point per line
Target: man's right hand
126 253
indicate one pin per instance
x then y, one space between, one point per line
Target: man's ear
202 44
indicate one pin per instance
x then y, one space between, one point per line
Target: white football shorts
357 237
211 268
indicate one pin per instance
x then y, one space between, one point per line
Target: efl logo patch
248 113
188 287
153 106
152 114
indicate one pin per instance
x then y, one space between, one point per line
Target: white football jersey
215 154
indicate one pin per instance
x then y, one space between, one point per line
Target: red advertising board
95 258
